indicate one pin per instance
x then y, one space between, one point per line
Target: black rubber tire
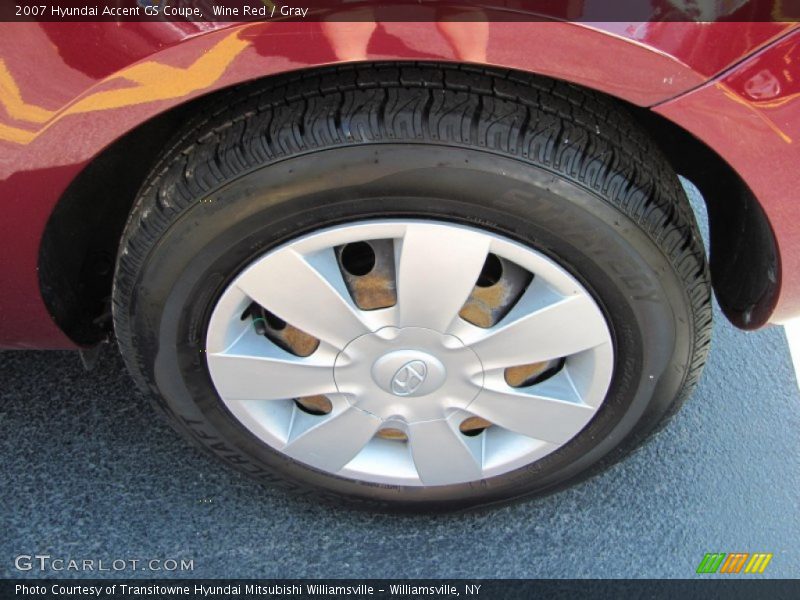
550 165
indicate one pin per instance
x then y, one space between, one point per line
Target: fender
751 117
65 94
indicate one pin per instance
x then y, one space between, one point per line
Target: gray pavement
88 471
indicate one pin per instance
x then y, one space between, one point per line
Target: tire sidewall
634 283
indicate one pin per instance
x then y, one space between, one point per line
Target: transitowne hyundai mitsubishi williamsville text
421 265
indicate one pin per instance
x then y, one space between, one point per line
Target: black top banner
399 10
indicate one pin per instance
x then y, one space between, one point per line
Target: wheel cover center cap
409 378
410 373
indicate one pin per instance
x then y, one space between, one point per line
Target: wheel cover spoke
563 327
441 454
437 269
307 292
550 411
243 377
336 441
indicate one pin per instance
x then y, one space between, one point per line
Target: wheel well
745 262
79 245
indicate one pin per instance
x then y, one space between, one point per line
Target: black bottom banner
239 589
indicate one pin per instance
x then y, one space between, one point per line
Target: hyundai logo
409 378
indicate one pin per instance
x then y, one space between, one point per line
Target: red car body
73 95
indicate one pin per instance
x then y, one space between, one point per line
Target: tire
550 167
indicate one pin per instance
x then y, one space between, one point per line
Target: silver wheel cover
416 367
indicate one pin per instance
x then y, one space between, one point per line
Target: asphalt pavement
87 471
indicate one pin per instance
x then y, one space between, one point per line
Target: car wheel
414 286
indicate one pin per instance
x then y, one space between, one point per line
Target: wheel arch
80 240
744 255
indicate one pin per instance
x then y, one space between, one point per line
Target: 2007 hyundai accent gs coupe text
408 264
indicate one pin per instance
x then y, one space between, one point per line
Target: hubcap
409 352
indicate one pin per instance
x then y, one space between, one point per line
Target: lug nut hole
274 321
358 258
491 273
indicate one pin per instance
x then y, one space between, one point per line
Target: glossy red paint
69 90
751 117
